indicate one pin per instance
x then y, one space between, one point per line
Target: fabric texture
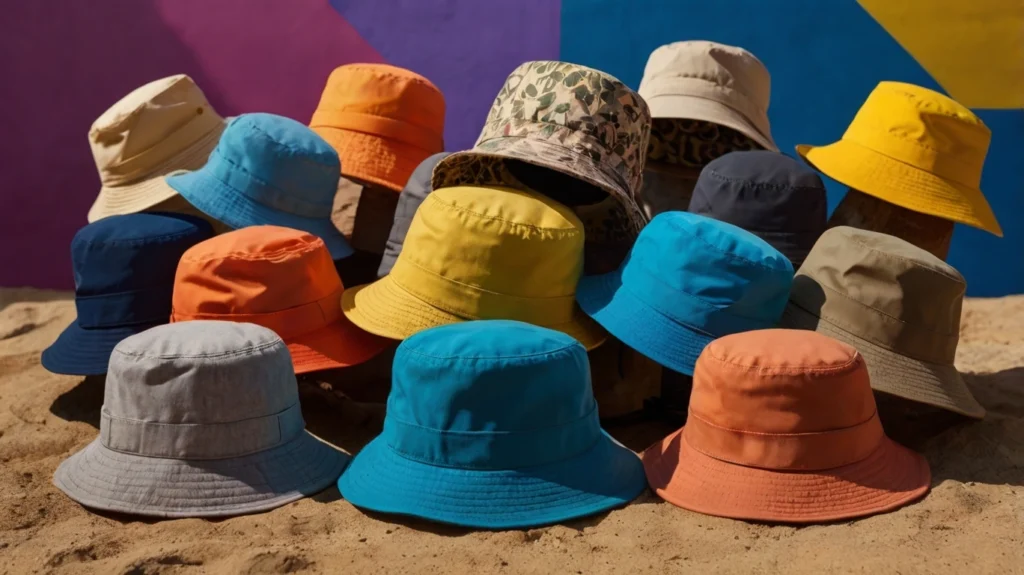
124 273
163 126
492 424
200 419
409 201
915 148
782 427
476 252
768 194
382 120
281 279
268 170
688 280
896 303
717 83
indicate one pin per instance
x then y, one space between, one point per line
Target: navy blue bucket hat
268 170
124 270
687 281
492 424
769 194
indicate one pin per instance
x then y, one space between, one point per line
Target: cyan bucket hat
200 419
688 280
124 275
492 424
415 191
268 170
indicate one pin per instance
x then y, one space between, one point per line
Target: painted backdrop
65 61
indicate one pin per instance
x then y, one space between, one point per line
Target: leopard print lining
694 143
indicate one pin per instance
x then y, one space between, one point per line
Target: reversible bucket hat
158 128
914 148
409 201
717 83
492 424
268 170
281 279
896 303
476 252
782 427
200 419
382 120
688 280
124 275
769 194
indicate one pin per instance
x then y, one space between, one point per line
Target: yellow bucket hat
915 148
481 252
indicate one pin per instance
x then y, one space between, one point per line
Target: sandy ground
971 522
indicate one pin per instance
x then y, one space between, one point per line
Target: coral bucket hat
782 426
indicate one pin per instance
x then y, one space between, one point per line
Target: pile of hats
215 270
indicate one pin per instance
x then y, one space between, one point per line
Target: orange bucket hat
279 278
382 120
783 427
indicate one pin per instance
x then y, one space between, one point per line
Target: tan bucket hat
161 127
717 83
896 303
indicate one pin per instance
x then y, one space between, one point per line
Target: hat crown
385 91
691 267
146 129
279 163
491 395
575 107
885 290
200 389
727 67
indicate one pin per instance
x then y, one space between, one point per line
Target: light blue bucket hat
492 424
268 170
688 280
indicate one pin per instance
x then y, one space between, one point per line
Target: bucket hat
768 194
717 83
268 170
917 149
124 273
782 427
281 279
896 303
492 424
163 126
409 201
476 252
382 120
688 280
571 119
200 419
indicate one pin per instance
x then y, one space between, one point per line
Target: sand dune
971 522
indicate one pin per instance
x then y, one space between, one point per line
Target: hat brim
384 308
339 344
80 351
933 384
603 478
871 172
794 245
100 478
638 325
671 106
546 155
227 205
382 161
889 478
145 194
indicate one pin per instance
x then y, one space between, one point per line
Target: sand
971 522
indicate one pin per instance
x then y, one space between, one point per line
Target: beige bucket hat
896 303
158 128
700 80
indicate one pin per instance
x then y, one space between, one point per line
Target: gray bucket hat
415 191
200 419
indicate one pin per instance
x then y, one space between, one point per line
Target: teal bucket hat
492 424
688 280
268 170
